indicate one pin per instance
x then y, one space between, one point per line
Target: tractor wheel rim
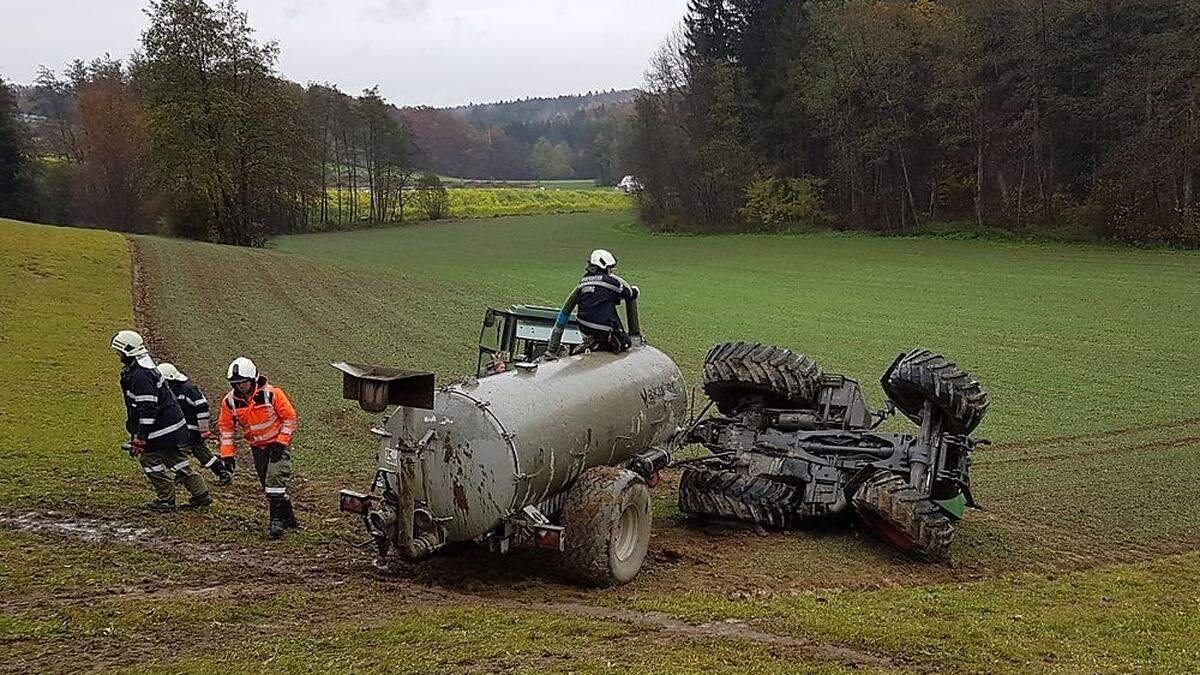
625 533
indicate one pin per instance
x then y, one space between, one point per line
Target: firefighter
267 421
600 291
156 426
196 413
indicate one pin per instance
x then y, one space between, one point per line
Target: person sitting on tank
599 293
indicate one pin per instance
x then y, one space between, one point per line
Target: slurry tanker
553 445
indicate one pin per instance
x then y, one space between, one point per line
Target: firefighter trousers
274 467
199 450
164 467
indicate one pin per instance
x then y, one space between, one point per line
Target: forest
1040 117
198 135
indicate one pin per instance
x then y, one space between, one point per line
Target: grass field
1085 559
492 201
65 293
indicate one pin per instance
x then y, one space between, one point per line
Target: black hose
560 325
631 317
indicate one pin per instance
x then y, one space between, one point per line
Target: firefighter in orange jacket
267 421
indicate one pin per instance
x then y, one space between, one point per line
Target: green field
1084 559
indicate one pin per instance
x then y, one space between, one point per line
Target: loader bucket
377 387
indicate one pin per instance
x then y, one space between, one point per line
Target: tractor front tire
735 371
921 375
606 527
903 517
728 495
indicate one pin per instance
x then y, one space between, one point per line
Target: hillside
541 138
539 110
1082 559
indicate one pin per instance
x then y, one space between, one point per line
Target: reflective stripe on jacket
599 295
151 411
266 417
194 405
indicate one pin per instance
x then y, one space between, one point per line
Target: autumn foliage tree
229 143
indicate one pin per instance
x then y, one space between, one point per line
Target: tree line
536 139
197 135
1038 116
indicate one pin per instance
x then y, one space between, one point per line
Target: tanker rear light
551 539
354 502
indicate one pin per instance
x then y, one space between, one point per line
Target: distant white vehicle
629 184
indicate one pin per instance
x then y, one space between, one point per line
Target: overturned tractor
792 444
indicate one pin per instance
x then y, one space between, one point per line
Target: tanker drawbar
555 453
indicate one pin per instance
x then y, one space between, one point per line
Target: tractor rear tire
606 527
728 495
921 375
735 371
903 517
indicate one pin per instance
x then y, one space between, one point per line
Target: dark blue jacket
151 411
599 295
195 408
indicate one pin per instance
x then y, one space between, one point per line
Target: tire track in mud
732 629
1089 451
1055 441
270 573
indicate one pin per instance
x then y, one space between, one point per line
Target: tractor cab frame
519 334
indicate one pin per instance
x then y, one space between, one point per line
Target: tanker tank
492 446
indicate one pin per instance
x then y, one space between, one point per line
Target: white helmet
603 259
169 371
242 370
129 343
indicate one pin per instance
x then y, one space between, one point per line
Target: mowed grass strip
66 292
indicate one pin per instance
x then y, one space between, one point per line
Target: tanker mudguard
377 387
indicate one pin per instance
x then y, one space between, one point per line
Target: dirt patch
145 267
733 629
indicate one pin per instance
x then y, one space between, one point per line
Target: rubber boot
275 527
159 505
289 515
198 501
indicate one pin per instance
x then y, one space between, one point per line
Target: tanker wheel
606 527
736 371
921 375
903 517
728 495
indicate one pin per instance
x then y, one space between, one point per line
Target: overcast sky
419 51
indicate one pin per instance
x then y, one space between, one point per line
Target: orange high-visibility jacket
265 417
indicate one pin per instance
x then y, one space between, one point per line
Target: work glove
230 463
636 292
137 446
276 451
